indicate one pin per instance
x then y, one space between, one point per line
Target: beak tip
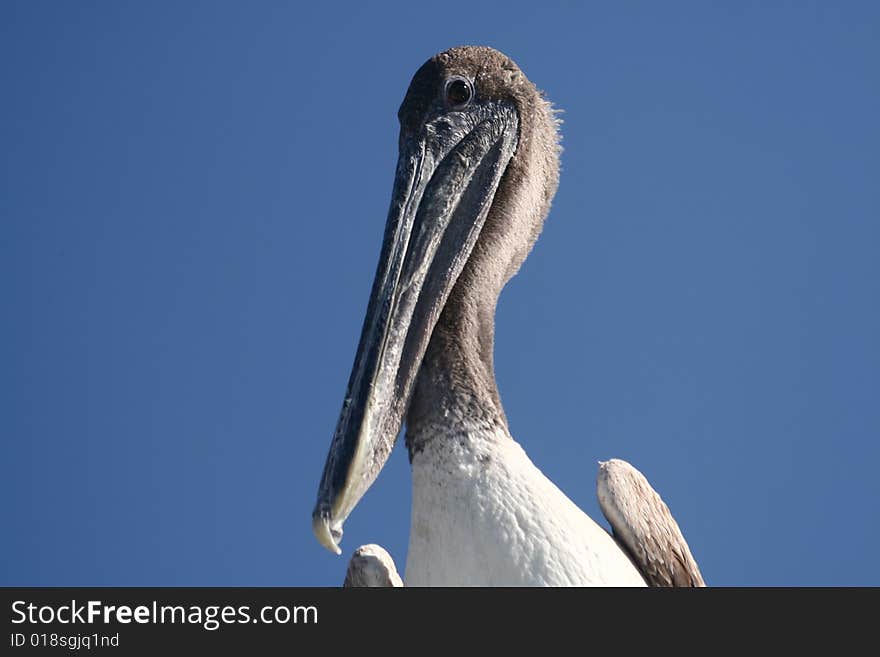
327 535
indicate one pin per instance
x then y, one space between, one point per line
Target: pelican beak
447 175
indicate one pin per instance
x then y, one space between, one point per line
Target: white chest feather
484 515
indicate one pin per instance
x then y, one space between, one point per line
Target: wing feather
372 566
644 526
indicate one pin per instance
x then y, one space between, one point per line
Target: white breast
484 515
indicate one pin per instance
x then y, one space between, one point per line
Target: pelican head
477 168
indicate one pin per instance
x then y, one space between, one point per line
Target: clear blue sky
193 198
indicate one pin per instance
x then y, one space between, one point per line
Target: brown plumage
644 526
371 566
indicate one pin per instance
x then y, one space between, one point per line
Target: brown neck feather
456 391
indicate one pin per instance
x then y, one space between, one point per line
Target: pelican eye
459 92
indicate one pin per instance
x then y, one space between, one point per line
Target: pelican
478 167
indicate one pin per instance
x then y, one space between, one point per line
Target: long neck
456 390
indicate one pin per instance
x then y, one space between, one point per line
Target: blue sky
192 207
